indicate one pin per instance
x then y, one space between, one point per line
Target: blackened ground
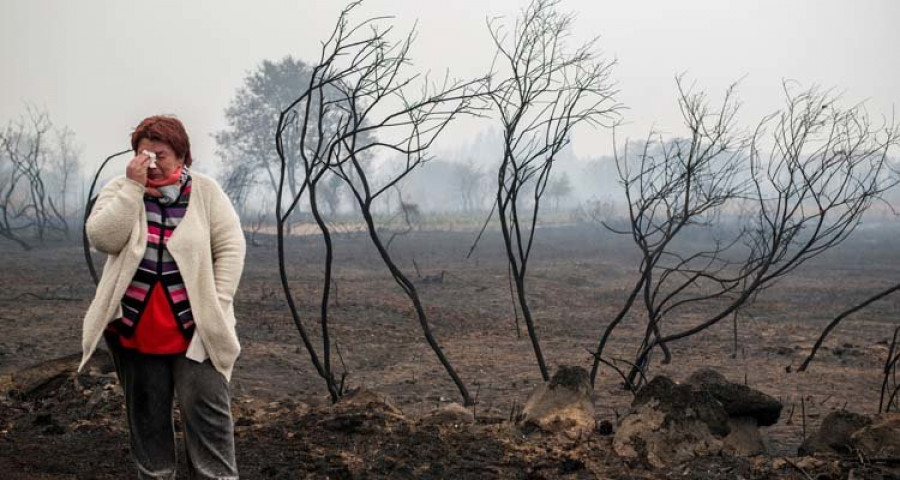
577 282
74 430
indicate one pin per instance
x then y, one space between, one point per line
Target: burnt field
577 282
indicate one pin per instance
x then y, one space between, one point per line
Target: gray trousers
151 382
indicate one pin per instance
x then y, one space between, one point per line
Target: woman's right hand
137 168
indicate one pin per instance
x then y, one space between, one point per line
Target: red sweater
157 332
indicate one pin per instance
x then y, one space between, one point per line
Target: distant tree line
39 168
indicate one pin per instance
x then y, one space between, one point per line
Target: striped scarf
158 265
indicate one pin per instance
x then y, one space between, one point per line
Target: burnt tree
789 197
361 87
540 90
35 174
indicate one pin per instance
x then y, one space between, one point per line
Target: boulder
833 436
670 424
744 439
450 414
562 405
739 400
747 409
879 440
684 402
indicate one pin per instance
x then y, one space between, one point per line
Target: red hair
165 129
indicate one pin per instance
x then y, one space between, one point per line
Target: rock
573 378
450 414
744 439
747 409
649 435
879 440
739 400
833 436
563 404
684 402
670 424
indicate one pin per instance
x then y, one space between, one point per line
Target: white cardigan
208 246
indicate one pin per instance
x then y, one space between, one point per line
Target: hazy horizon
98 67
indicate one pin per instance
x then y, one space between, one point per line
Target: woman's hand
137 171
137 168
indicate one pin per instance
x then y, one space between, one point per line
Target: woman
164 302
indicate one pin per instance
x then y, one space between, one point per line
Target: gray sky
101 66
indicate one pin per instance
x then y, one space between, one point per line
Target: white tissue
152 156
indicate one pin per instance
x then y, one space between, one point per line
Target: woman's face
166 160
